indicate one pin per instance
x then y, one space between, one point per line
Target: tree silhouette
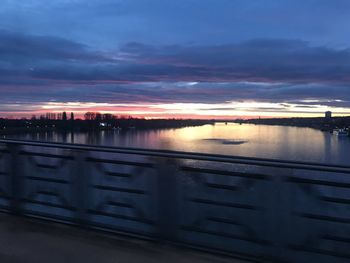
90 116
64 116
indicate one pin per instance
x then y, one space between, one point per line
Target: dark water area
278 142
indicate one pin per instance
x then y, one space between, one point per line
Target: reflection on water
225 141
291 143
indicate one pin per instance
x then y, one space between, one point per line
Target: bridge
254 209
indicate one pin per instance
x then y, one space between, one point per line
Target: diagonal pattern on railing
267 209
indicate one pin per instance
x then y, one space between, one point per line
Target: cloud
265 60
16 47
45 68
260 60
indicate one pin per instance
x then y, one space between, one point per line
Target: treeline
91 121
90 116
53 116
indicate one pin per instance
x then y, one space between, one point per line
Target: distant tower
328 115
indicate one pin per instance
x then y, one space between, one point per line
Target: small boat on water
341 132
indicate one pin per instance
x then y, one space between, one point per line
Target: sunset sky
182 59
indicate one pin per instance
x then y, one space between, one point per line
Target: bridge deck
27 240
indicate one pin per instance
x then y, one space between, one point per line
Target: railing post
277 219
167 200
81 185
15 181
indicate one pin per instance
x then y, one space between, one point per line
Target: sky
175 59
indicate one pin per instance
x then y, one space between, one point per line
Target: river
278 142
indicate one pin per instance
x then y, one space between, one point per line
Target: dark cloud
270 61
290 61
265 60
41 68
25 50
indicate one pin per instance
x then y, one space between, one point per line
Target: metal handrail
189 155
245 210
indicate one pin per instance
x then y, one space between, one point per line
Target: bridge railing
264 209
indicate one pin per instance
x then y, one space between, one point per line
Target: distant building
328 115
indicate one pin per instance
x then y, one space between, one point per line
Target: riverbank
11 126
321 123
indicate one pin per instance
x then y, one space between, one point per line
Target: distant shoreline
319 123
17 126
13 126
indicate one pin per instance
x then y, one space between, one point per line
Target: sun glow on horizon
230 109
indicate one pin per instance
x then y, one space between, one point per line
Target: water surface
280 142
